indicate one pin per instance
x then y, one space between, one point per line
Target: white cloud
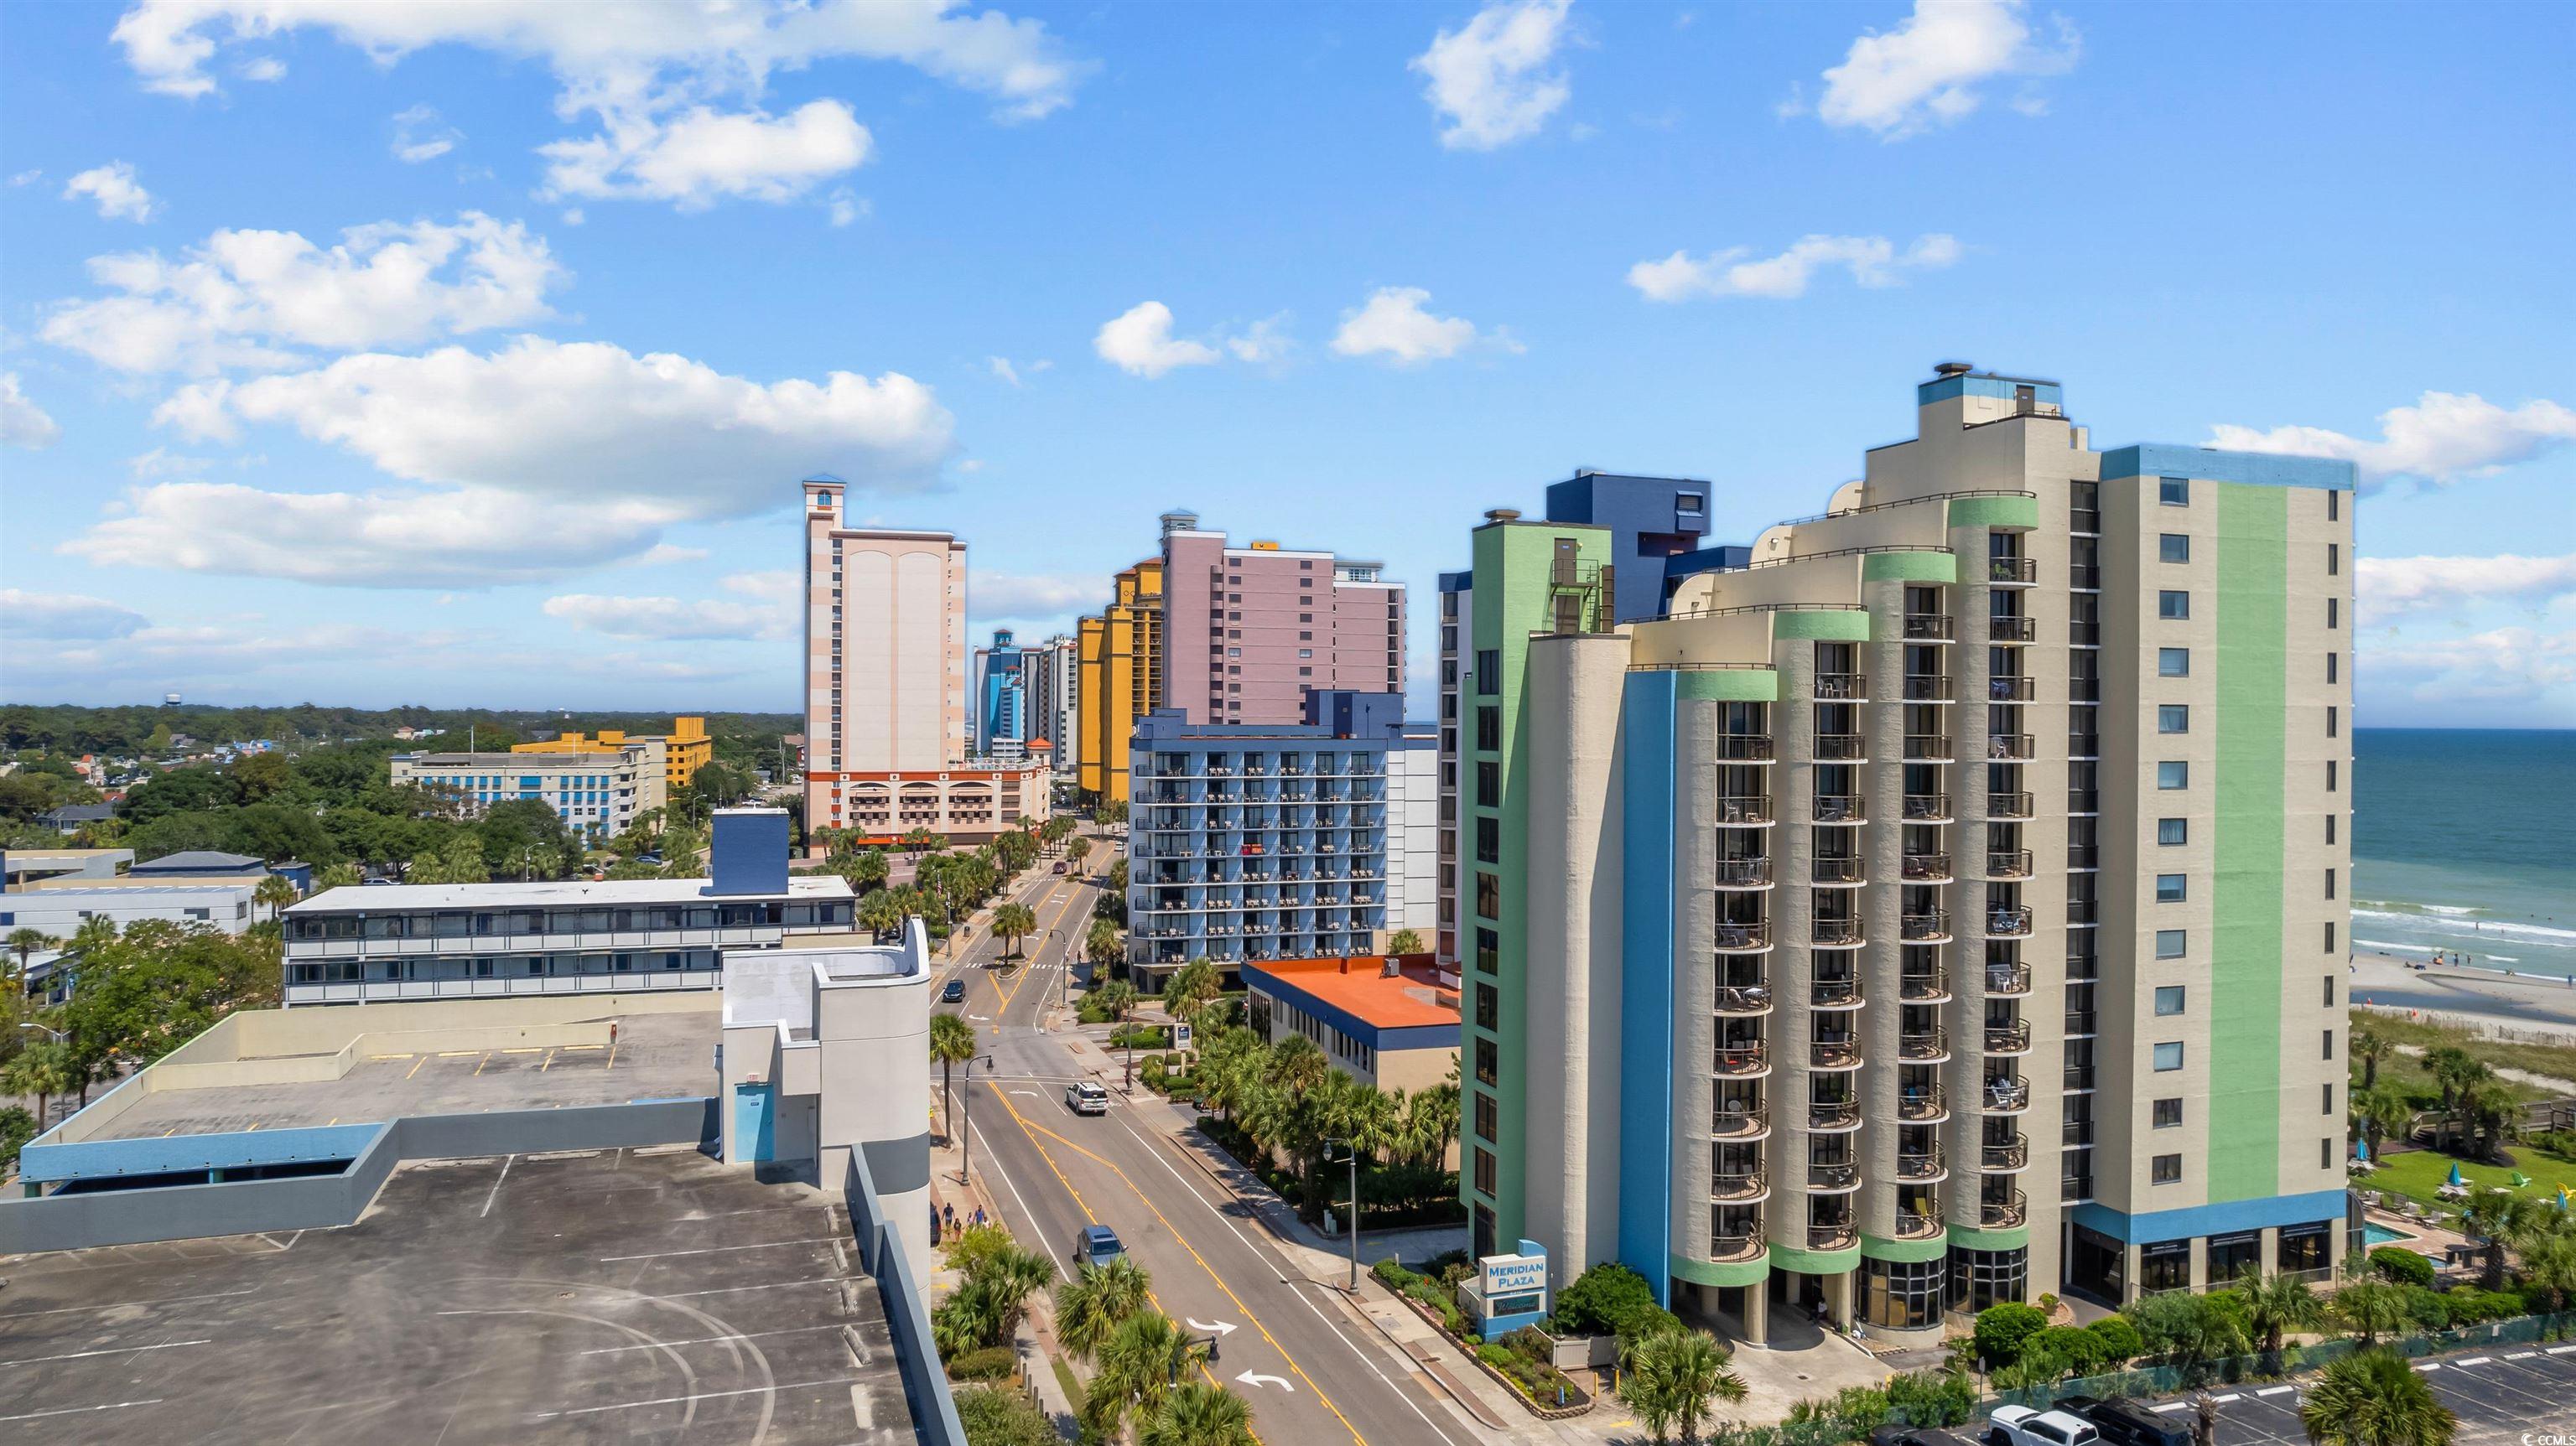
162 462
245 297
119 196
2390 587
2497 666
1872 261
2441 439
1488 79
261 68
1926 71
1139 341
845 207
768 614
62 616
701 156
22 422
1034 596
1264 343
27 178
648 68
419 135
662 552
1001 368
1393 325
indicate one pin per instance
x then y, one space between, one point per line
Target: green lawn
2420 1173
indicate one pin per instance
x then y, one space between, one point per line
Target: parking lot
2501 1398
644 1295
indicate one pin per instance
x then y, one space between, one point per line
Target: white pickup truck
2024 1426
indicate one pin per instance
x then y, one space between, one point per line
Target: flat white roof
629 892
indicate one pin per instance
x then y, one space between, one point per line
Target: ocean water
2464 841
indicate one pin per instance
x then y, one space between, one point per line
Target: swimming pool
2374 1234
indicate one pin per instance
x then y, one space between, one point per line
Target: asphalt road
1312 1375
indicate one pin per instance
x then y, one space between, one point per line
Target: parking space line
496 1184
110 1351
79 1410
549 1064
723 1340
2276 1390
718 1249
525 1049
692 1398
123 1304
2520 1355
415 1066
2474 1361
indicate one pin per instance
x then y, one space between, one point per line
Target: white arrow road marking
1223 1327
1281 1382
981 1018
1032 1094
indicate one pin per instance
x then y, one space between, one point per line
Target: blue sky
392 351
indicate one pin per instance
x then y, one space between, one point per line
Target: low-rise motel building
1386 1020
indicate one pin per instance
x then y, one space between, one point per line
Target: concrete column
1838 1299
1757 1315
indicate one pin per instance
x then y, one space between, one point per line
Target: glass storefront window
1980 1278
2303 1247
2164 1265
1902 1294
2232 1255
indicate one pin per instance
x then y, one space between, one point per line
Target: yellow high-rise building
684 750
1120 653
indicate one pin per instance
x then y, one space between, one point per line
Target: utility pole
1351 1149
966 1122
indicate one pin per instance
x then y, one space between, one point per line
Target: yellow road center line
1025 973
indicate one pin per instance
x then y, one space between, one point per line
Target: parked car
2128 1423
1096 1245
2024 1426
1062 867
1913 1436
1086 1098
954 993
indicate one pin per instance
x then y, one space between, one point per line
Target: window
2173 547
2334 558
2173 603
2168 1057
1489 1062
2173 775
2330 885
1489 896
1485 1172
2328 1051
1489 840
1488 1116
1489 951
2169 999
1689 504
2173 662
1489 784
2172 832
2168 1114
2325 1153
2173 491
2334 612
2170 889
2167 1170
2330 828
2169 943
1489 729
2330 936
2330 991
2330 667
2325 1100
1489 671
2173 718
1489 1007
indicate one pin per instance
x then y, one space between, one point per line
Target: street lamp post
966 1122
1352 1151
60 1036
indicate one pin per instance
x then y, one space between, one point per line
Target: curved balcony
1747 1186
1926 808
2007 979
1744 1061
1727 1124
2009 1156
2004 1214
1931 928
1930 1164
1842 688
1826 1117
1923 986
1927 868
1841 748
1910 1226
1742 938
2005 1096
1841 808
2013 1038
2011 630
1743 873
2008 805
1929 1046
1833 1179
1746 810
1927 687
1923 1105
1833 870
1833 1054
2007 863
2009 923
1835 933
2012 571
2011 748
1746 1002
1927 627
1928 748
1833 1235
1732 1246
1833 992
1743 747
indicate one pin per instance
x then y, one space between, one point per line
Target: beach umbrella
2361 1149
2455 1175
2562 1196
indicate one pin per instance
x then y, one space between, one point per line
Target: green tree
952 1043
1100 946
866 870
918 841
1139 1365
2508 1220
2549 1263
274 893
882 914
2277 1305
1674 1379
2371 1308
1405 941
2001 1330
25 940
2189 1330
1199 1413
1091 1306
43 1070
2367 1049
994 1416
2375 1398
1009 1276
2380 1111
1191 985
1014 922
337 876
1077 850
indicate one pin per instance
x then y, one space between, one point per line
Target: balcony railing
1743 873
2011 747
1842 687
1834 1054
1925 928
1841 747
1922 1103
1928 1044
1743 938
2013 1038
1927 868
2009 570
2007 979
1927 626
2012 923
1738 1246
2011 630
1927 687
1738 809
2009 805
1927 747
1923 986
1742 747
1910 1226
1832 1235
1833 1115
2011 688
2003 1213
2007 1096
1835 1176
2008 1155
1743 1059
1728 1124
1927 808
2007 863
1836 933
1832 992
1747 1185
1841 808
1930 1164
1750 1000
1837 869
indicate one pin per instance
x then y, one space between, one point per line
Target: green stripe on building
1910 567
2244 948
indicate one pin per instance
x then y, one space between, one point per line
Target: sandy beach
2526 1001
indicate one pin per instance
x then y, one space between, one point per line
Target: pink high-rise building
1250 630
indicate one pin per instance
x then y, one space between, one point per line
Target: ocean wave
2392 946
2450 909
2454 926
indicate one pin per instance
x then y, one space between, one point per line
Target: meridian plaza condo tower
1945 906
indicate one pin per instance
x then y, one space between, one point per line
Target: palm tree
2509 1220
1297 1065
2455 1071
1119 998
1673 1379
1096 1301
2276 1305
2381 1111
1014 922
338 876
24 941
1190 986
2369 1047
1199 1413
1011 1275
881 913
1140 1365
274 892
919 840
952 1042
43 1070
1405 941
2375 1398
1077 850
2550 1263
2489 1106
2371 1308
